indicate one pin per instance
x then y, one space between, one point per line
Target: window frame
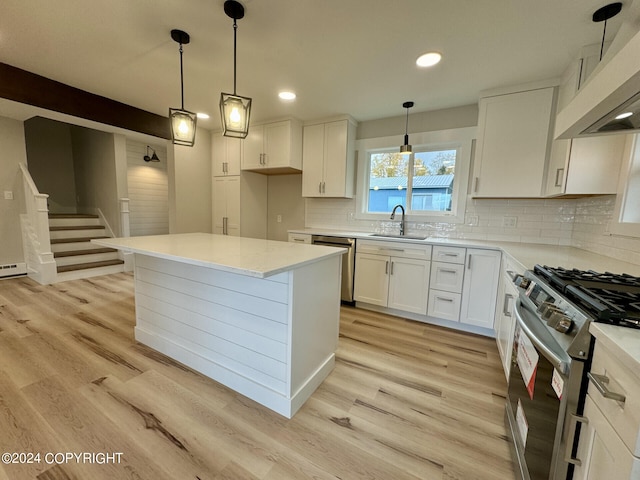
460 139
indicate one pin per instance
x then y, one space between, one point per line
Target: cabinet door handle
319 187
391 268
447 270
559 174
323 187
444 299
573 423
476 182
505 306
446 254
298 240
469 262
386 267
224 225
601 382
264 158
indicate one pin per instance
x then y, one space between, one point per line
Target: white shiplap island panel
256 315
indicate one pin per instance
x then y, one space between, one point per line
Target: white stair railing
41 265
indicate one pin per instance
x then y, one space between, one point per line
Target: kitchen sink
397 235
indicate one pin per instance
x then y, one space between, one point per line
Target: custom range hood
612 90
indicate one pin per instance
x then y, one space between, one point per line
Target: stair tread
72 215
76 227
76 239
84 266
91 251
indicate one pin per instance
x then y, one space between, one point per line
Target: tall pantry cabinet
240 200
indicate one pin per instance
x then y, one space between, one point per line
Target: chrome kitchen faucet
393 215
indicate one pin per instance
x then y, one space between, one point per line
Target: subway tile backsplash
581 223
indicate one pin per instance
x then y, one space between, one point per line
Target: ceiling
339 56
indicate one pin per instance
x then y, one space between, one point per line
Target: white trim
457 138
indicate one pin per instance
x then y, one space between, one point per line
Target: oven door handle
535 330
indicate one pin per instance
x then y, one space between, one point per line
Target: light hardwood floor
405 401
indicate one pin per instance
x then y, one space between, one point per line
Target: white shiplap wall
148 190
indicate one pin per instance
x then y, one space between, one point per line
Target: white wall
190 182
12 153
50 156
148 190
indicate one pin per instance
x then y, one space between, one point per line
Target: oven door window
537 409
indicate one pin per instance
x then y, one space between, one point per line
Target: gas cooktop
608 297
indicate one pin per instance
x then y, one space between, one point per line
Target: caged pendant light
183 122
406 148
234 109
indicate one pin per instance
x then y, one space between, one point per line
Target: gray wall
190 186
50 156
95 173
459 117
12 152
284 197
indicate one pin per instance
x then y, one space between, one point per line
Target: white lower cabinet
505 323
393 275
444 305
480 287
445 284
609 444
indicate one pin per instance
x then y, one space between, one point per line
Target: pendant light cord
604 32
235 31
181 81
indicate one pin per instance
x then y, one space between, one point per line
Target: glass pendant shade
235 111
183 127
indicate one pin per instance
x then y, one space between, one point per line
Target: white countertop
525 254
245 256
623 342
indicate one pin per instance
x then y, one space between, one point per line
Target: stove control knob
564 325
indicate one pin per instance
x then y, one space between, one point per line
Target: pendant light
234 109
602 15
406 148
183 122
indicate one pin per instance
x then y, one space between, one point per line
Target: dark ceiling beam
26 87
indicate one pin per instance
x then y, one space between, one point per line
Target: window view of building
421 182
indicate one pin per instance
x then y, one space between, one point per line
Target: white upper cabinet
328 157
514 135
225 155
586 165
273 148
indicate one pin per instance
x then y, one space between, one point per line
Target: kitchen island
258 316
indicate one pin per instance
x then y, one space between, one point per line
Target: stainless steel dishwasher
348 261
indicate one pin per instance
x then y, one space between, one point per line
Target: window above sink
431 183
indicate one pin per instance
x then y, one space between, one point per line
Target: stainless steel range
551 357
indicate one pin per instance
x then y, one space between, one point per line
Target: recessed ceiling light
204 116
287 95
624 115
428 59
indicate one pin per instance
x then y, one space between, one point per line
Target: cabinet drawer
396 249
300 237
444 305
623 416
448 254
447 276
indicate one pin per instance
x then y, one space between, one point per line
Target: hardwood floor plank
406 400
82 428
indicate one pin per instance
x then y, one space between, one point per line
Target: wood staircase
75 255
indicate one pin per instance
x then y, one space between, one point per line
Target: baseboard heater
13 269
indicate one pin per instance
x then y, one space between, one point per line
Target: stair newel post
124 217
